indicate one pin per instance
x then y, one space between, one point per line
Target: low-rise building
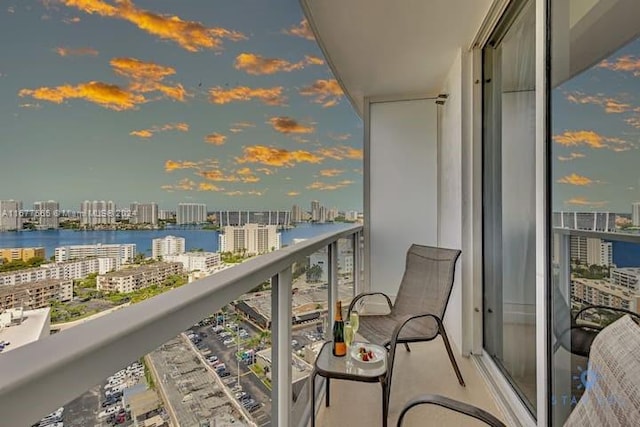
34 295
21 254
192 261
63 270
165 246
627 277
124 253
604 292
132 279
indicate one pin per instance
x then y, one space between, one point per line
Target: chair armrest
403 322
367 294
454 405
604 307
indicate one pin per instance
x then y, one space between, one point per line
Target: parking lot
226 354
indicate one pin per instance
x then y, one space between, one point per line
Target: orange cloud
301 30
571 156
218 176
610 105
207 186
73 20
323 186
625 63
331 172
575 179
147 77
241 126
289 125
293 193
341 153
271 156
215 139
148 133
184 184
582 201
591 139
65 51
171 165
190 35
325 92
259 65
234 193
106 95
265 171
269 96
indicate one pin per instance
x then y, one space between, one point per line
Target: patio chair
454 405
419 307
574 337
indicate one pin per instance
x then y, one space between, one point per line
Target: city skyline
231 105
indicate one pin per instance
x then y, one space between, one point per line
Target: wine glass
354 319
348 334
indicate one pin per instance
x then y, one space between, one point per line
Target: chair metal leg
407 347
451 356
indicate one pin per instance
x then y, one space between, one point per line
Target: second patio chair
419 307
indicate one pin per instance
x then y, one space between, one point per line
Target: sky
596 136
223 102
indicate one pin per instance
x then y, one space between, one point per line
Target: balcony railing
44 375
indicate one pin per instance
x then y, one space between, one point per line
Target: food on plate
366 355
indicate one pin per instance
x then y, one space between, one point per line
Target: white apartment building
64 270
250 238
626 277
296 214
191 213
165 246
590 251
351 215
124 252
97 213
166 215
47 214
192 261
144 213
10 215
132 279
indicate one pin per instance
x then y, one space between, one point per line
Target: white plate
379 353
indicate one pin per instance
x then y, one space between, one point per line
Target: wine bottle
339 347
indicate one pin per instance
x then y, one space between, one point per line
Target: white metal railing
39 377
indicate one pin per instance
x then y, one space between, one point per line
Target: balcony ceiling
382 47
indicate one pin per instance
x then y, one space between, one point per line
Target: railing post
357 262
332 287
281 395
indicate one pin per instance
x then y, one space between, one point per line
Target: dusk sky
224 102
596 132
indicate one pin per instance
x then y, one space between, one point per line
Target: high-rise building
322 215
351 215
250 238
10 215
240 218
165 246
191 213
593 221
47 214
144 213
166 215
97 213
332 214
315 210
296 214
635 214
590 251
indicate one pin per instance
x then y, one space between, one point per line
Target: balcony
38 378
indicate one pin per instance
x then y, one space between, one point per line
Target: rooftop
34 325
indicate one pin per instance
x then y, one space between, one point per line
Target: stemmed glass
349 335
354 319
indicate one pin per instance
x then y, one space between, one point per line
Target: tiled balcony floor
426 370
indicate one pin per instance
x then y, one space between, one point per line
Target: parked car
224 374
110 410
227 342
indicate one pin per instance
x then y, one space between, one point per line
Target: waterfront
196 238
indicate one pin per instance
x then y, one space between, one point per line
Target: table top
345 367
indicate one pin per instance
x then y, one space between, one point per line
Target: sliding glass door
509 198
